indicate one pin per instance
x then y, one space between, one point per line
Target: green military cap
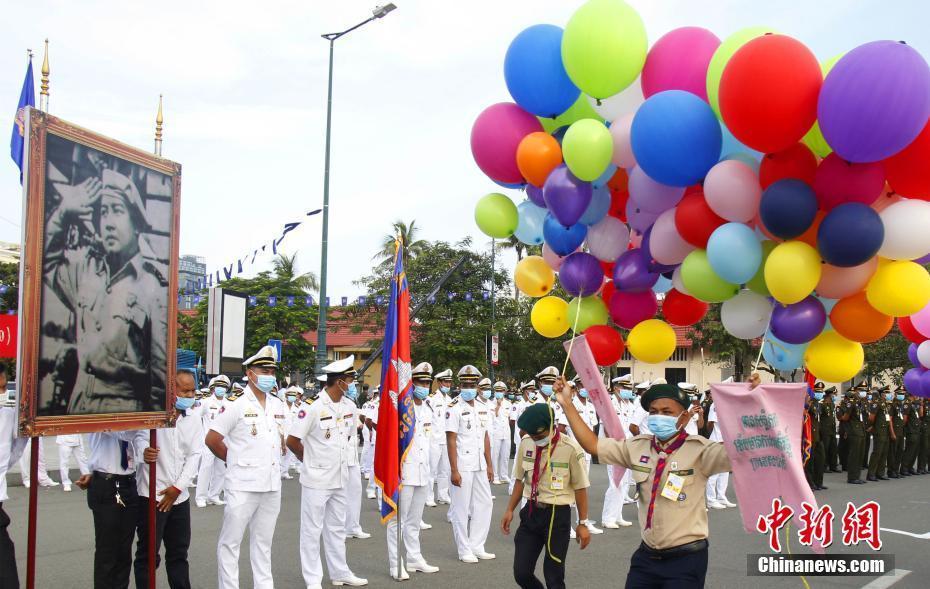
830 390
664 391
536 419
819 386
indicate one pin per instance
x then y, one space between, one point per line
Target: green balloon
589 310
496 216
757 283
582 109
722 55
814 138
604 47
587 148
702 282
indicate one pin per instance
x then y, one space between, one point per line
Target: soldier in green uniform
851 413
869 441
842 429
814 467
924 452
896 449
880 425
828 431
912 426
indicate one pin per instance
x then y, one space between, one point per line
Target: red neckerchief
660 467
537 472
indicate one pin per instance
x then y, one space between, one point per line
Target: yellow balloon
651 341
550 317
833 358
533 276
792 271
899 288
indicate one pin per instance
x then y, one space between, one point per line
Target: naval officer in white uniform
212 471
439 470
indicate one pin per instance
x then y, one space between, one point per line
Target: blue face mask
889 396
899 397
583 394
184 403
546 389
486 394
265 382
291 398
420 392
862 394
468 394
663 426
818 395
498 396
624 394
352 392
444 390
219 392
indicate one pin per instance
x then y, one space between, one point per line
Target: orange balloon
855 319
537 155
810 236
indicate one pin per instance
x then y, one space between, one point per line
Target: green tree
9 285
285 268
412 246
722 348
889 356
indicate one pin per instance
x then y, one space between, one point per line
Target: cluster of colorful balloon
741 172
915 328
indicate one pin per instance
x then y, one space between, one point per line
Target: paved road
65 542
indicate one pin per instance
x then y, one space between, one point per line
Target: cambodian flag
395 414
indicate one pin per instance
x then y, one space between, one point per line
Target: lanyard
660 467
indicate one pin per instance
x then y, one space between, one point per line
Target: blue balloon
662 285
746 158
850 235
563 240
518 186
530 223
828 305
597 210
604 178
559 134
731 146
676 138
782 356
734 252
534 72
788 208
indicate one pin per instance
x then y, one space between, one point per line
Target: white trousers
717 487
323 514
24 460
368 463
259 513
288 461
473 499
614 496
500 458
64 460
412 501
439 473
210 477
353 501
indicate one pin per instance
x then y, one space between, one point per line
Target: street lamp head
381 11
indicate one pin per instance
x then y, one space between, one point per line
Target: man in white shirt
439 469
546 378
212 471
291 395
589 415
500 434
631 414
527 397
370 414
24 464
323 437
469 447
70 445
716 492
354 484
247 434
414 478
176 456
696 423
11 448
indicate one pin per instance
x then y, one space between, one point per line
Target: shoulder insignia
454 401
156 269
234 396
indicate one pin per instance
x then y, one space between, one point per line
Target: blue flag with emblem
27 97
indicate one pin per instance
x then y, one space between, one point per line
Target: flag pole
33 513
43 91
401 549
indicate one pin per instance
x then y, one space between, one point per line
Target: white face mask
542 443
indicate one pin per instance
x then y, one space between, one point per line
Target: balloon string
759 357
571 344
788 544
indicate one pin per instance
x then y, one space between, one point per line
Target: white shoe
287 476
367 477
485 556
66 488
627 501
371 494
360 535
431 504
352 581
728 503
572 534
715 505
422 567
623 523
403 575
497 482
201 503
468 559
594 529
425 526
217 501
26 484
610 525
50 483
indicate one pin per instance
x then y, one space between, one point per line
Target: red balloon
909 331
619 181
683 310
618 199
768 92
695 220
607 289
606 344
838 181
629 308
608 268
907 171
797 161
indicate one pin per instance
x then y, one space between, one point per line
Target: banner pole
33 512
401 549
153 439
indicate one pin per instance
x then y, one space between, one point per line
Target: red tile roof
342 332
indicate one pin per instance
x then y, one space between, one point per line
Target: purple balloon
536 195
912 381
925 384
581 274
912 354
923 261
631 272
639 219
653 265
874 101
798 323
652 196
567 197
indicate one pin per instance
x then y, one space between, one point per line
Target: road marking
887 580
911 534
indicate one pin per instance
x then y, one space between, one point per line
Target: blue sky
245 97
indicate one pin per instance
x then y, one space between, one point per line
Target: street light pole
378 12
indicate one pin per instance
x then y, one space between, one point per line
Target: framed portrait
98 284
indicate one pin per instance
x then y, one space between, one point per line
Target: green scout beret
664 391
536 419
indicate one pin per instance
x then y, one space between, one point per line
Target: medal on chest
254 430
328 434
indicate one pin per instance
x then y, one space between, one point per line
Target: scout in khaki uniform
672 516
551 474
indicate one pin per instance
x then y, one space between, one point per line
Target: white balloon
906 230
625 102
623 149
678 283
608 238
923 354
746 315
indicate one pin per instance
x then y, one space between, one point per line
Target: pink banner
762 435
583 361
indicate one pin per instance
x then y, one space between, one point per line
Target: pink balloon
623 149
678 61
839 283
495 136
650 195
665 244
639 219
636 238
921 321
553 259
838 181
732 190
629 308
608 239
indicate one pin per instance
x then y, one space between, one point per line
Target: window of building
675 375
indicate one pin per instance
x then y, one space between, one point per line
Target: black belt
675 551
109 476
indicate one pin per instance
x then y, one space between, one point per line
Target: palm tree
412 245
285 268
515 244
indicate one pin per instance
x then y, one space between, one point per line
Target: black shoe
822 488
856 482
871 479
882 478
912 471
834 469
905 473
894 475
